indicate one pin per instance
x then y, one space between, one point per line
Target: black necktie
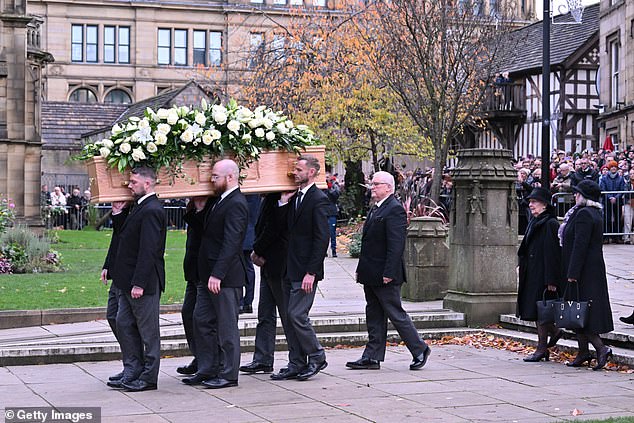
372 211
300 194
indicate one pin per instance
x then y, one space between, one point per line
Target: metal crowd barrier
617 215
73 219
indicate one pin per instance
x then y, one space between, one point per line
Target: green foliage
27 252
354 248
7 214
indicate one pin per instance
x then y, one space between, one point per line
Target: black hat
540 194
588 189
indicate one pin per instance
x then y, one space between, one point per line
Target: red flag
607 144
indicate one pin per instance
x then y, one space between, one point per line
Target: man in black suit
193 216
221 269
306 215
118 215
381 271
139 273
269 253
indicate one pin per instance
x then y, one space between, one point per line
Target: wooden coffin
271 173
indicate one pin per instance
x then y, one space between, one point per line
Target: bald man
221 269
381 271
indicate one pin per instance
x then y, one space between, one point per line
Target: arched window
118 97
82 95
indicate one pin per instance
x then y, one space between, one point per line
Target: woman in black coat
582 254
539 268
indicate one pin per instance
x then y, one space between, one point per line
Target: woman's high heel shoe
602 358
629 319
555 338
538 356
580 359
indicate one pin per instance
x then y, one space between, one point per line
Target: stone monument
483 237
426 259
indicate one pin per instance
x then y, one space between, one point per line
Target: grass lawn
83 253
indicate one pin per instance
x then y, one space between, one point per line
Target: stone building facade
21 63
616 39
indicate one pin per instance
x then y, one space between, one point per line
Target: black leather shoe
117 384
219 383
285 374
602 358
629 319
189 369
538 356
197 379
139 385
118 376
418 362
364 363
255 367
246 309
311 370
580 359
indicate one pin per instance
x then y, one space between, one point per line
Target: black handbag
545 310
571 314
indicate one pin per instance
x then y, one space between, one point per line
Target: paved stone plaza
459 383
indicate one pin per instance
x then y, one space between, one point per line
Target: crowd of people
65 210
290 238
612 171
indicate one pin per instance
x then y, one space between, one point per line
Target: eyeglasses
376 184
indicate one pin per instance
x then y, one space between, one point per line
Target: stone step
615 338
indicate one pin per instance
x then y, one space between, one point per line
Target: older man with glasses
381 271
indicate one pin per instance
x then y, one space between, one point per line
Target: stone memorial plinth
483 237
426 259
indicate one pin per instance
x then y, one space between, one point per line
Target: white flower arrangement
167 137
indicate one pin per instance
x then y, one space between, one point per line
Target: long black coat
382 245
271 239
582 256
539 262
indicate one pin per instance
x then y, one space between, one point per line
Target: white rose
162 113
220 117
270 136
163 128
215 134
289 124
172 117
187 136
138 155
131 127
243 114
254 123
281 128
151 147
161 139
200 118
207 139
104 152
107 143
259 133
116 129
268 123
144 123
246 137
233 126
125 148
183 110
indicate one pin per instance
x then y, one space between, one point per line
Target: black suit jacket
382 245
194 222
220 251
271 238
141 248
308 234
117 223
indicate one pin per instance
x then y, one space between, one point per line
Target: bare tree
438 56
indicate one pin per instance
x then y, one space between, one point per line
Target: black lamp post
545 180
